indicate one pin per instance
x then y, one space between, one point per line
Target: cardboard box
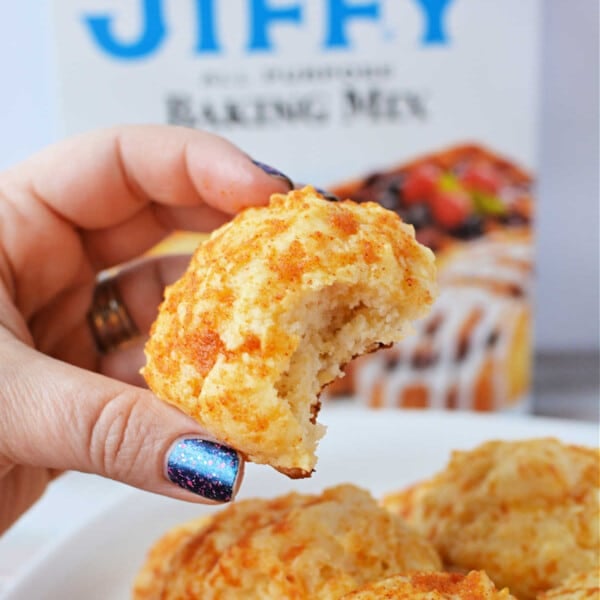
428 106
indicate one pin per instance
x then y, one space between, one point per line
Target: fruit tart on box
474 209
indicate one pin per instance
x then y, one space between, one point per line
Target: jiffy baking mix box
426 106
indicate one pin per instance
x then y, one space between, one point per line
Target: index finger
103 178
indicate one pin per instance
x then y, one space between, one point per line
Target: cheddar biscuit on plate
432 586
271 307
581 586
296 546
526 512
156 568
187 552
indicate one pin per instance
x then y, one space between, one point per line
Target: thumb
58 416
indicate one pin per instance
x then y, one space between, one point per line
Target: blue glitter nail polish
273 172
204 468
327 195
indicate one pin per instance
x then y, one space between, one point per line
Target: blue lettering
150 39
207 37
434 12
339 13
263 17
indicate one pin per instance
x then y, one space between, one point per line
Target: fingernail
273 172
204 468
327 195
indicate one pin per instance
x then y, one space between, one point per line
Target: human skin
74 209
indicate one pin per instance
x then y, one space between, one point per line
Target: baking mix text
297 96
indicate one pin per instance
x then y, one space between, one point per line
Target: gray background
568 215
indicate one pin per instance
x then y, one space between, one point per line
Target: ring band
109 320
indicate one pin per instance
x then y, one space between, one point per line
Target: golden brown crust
448 158
476 152
158 566
475 585
271 306
185 554
526 512
581 586
294 546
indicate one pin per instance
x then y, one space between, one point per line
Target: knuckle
117 436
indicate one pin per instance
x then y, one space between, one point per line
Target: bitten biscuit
526 512
432 586
294 546
270 309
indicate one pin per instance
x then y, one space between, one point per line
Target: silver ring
109 320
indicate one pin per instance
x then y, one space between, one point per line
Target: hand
69 212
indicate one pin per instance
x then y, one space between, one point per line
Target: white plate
381 451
